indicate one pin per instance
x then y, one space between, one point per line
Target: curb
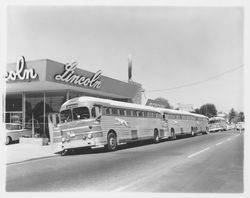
32 159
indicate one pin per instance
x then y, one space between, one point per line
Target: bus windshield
66 115
213 121
80 113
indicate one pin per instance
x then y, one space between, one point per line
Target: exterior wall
47 70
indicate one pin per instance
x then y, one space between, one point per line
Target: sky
170 47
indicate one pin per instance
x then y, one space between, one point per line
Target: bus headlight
72 135
90 135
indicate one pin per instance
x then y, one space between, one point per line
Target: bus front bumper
83 143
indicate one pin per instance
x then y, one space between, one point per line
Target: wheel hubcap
112 142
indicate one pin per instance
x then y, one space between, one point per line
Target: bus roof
216 118
106 102
172 111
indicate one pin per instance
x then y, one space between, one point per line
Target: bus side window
107 110
134 114
114 111
122 113
93 112
140 113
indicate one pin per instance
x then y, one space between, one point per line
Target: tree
232 115
241 117
197 110
208 110
164 102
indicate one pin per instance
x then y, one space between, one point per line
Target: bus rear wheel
156 136
173 136
192 132
8 140
64 152
112 142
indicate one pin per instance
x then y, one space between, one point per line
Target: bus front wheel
112 142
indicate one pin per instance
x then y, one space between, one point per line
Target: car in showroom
14 131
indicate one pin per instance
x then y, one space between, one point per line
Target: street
202 164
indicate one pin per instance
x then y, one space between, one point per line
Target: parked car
240 126
14 131
230 126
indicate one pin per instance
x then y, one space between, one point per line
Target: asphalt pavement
203 164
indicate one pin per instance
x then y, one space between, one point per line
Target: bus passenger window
122 112
134 113
114 111
107 110
140 113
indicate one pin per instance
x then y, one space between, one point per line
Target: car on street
14 131
240 126
231 126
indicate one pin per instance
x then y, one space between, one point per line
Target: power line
198 82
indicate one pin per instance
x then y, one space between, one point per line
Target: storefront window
13 109
34 106
74 94
54 101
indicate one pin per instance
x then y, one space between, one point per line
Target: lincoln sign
69 76
21 73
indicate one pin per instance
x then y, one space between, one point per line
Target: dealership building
36 88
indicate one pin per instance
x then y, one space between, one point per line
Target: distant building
154 103
186 107
223 115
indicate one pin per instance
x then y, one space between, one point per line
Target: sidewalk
23 152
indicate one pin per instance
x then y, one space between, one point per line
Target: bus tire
156 136
64 152
173 136
112 142
8 140
192 131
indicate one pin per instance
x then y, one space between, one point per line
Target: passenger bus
183 123
95 122
217 124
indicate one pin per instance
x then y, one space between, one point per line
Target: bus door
54 131
165 125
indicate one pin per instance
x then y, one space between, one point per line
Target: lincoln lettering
69 76
21 72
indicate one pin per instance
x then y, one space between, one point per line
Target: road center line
192 155
219 143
